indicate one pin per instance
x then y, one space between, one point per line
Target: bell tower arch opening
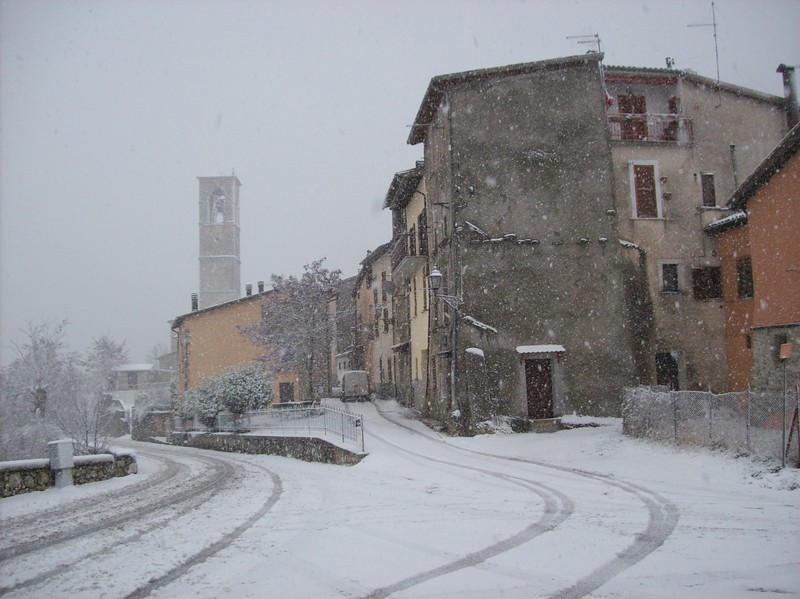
220 263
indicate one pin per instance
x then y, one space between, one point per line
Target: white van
355 385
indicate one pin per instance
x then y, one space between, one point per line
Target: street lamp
435 284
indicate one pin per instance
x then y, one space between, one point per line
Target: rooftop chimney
790 93
261 286
194 302
248 289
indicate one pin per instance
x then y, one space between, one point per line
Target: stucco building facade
566 202
759 246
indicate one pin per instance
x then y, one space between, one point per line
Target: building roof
736 219
771 165
614 73
178 321
133 367
403 186
441 84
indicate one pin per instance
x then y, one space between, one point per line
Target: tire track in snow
216 547
663 517
557 508
119 513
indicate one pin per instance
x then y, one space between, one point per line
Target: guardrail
306 419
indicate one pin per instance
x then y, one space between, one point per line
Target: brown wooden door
539 387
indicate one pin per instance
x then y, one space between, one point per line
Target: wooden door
539 387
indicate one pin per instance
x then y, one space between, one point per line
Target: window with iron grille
707 283
744 277
708 190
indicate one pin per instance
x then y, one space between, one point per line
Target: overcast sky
111 110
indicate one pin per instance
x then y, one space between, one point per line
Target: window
744 277
634 127
133 380
669 277
383 286
708 191
707 283
385 320
412 241
414 294
645 189
422 227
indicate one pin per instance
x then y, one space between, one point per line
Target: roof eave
787 148
440 84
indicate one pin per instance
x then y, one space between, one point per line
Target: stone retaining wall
26 476
309 449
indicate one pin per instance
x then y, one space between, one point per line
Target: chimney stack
790 93
248 289
261 286
194 302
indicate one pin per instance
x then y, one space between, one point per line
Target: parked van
355 385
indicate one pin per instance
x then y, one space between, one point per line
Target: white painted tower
220 265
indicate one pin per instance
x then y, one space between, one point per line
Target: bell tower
220 265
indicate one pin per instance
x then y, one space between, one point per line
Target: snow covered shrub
186 406
208 402
244 389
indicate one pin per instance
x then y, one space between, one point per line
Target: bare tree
34 387
295 329
87 415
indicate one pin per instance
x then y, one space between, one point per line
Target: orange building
759 247
210 342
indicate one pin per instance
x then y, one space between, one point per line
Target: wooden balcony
406 256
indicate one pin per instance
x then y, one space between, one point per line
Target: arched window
216 207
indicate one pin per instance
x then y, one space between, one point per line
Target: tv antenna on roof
713 24
587 39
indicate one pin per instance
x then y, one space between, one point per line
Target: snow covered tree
34 387
295 329
244 389
86 415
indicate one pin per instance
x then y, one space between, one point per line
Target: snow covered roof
540 349
729 221
134 367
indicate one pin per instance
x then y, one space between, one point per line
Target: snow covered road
582 513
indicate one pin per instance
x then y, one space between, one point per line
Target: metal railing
650 127
303 419
748 421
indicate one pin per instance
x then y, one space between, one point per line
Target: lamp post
435 284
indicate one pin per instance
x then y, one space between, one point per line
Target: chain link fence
748 421
300 419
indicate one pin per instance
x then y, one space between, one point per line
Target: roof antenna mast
716 46
587 39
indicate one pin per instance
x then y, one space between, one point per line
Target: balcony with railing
408 254
658 128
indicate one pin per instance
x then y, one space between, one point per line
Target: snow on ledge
480 325
540 349
475 351
628 244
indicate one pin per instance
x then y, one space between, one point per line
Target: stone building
759 247
220 265
374 330
566 203
409 262
342 314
